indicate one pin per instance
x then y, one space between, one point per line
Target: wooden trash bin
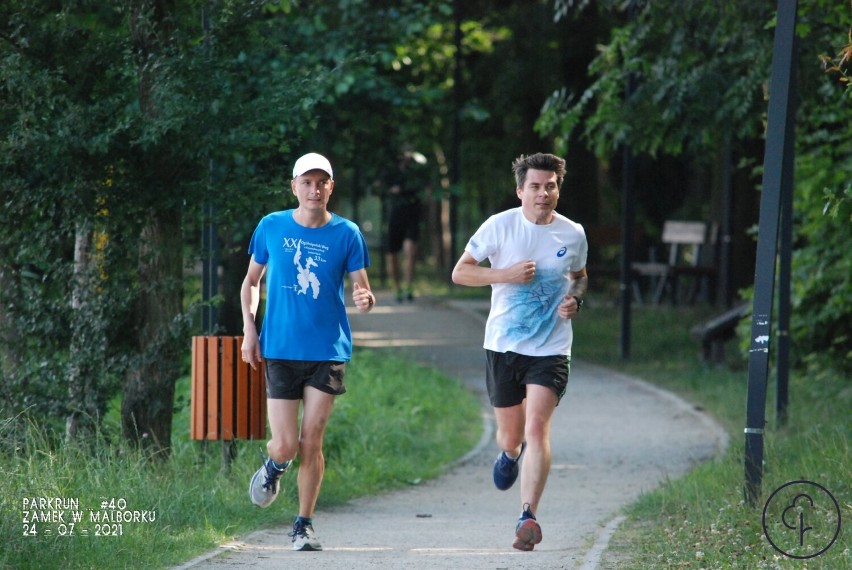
228 396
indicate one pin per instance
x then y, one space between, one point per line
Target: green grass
397 425
701 520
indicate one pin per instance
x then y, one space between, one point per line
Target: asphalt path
613 438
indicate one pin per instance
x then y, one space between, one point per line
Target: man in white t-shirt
537 274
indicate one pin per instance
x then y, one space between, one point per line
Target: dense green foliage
822 268
196 506
112 120
694 83
128 126
700 71
125 126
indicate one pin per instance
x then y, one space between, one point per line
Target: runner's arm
468 272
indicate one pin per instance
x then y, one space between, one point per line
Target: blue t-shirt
305 316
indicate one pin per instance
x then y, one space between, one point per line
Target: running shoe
506 469
264 485
304 537
527 531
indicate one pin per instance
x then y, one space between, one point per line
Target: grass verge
397 425
701 520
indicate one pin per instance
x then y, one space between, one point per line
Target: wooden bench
687 243
715 332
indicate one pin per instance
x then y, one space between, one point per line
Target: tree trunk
149 384
9 356
81 368
442 236
149 387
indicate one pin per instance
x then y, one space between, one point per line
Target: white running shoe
304 537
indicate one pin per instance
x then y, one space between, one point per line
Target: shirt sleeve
258 246
359 254
482 243
584 251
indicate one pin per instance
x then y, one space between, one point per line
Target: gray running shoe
304 537
263 488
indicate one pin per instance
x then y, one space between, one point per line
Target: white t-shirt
523 317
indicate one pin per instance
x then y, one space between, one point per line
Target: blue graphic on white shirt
534 305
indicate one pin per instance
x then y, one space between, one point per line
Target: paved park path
613 438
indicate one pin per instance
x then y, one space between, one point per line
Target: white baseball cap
312 161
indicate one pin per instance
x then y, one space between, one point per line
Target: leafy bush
822 268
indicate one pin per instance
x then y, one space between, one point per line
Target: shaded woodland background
131 126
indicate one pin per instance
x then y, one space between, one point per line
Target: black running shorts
508 373
286 379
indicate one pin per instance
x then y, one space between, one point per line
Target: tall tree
53 96
120 120
146 409
701 70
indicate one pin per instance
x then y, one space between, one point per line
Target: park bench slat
228 396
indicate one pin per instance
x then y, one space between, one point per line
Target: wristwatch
580 302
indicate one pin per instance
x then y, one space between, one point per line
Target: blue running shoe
506 469
527 531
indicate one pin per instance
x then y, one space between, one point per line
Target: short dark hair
538 161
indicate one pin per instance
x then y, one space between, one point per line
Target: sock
518 456
305 520
279 466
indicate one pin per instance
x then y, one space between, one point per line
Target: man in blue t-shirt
306 341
